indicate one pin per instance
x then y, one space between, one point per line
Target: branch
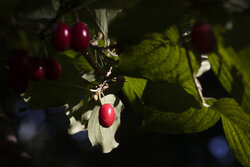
94 65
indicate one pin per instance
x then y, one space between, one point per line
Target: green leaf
37 10
133 88
193 120
231 110
168 97
69 88
159 57
78 60
232 69
239 141
168 108
236 125
100 137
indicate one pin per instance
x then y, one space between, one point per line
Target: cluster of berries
78 38
24 68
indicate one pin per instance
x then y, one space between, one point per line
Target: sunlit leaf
104 138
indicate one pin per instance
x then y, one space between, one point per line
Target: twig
94 65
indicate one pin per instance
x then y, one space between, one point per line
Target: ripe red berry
61 37
80 37
17 84
37 69
53 69
106 115
203 38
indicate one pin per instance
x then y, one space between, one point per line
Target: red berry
53 69
80 37
61 37
203 38
20 63
106 115
17 84
37 69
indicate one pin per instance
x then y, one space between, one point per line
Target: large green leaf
192 120
69 88
236 125
100 137
232 68
168 108
133 88
159 57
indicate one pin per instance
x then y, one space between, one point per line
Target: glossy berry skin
37 69
80 37
106 115
61 37
53 69
203 38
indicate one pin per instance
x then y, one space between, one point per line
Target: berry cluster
24 68
78 38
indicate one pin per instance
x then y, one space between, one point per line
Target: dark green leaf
229 109
133 88
168 97
78 60
69 88
159 57
236 124
232 68
192 120
37 10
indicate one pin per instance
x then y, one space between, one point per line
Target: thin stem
195 81
100 98
197 85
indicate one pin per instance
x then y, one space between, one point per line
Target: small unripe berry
106 115
203 38
61 37
80 37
